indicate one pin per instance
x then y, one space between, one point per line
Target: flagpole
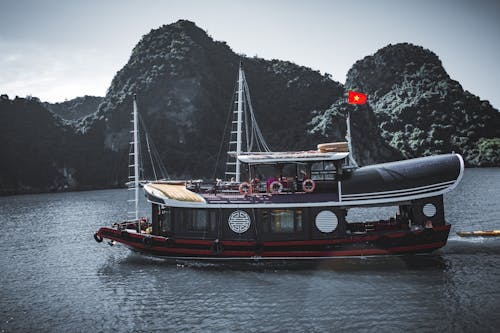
355 98
352 161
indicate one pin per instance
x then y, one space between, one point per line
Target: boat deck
263 198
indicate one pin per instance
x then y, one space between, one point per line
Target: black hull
369 244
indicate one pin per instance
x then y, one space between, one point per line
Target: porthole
326 221
429 210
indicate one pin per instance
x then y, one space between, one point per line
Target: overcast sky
58 50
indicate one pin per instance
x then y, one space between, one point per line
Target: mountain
368 145
75 108
33 142
42 153
421 110
185 82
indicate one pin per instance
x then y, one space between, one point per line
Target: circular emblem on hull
239 221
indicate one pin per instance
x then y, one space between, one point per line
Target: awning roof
175 191
291 157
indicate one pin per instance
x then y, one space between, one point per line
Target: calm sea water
55 278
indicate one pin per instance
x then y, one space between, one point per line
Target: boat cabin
261 215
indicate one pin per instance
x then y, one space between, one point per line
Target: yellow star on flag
356 97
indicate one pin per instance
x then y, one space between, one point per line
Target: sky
58 50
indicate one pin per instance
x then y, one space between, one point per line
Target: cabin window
282 221
326 221
165 220
429 210
197 220
324 170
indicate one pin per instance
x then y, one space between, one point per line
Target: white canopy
290 157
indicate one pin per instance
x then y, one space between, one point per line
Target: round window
429 210
326 221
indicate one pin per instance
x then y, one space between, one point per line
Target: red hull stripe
238 243
210 242
323 241
248 254
193 241
114 234
360 252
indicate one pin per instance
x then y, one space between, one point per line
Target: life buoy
147 241
308 185
245 188
97 238
276 187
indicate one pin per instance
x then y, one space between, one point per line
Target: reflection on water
55 278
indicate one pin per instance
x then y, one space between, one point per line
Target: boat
479 233
294 205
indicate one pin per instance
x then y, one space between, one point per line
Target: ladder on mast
233 165
133 184
243 120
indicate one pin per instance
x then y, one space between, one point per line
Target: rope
154 156
224 134
261 142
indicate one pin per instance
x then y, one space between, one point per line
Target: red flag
356 98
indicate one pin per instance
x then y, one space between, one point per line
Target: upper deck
387 183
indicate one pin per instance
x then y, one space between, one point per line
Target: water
56 278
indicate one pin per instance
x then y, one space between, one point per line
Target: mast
239 121
252 138
134 165
136 162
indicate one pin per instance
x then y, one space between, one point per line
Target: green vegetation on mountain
420 110
75 108
184 81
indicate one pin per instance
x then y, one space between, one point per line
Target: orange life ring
276 187
308 185
245 188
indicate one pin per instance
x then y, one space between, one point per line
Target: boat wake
471 245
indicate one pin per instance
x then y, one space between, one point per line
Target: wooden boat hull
368 244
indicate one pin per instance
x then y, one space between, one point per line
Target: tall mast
239 121
136 164
242 139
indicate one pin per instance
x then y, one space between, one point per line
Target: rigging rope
253 135
261 142
228 118
154 156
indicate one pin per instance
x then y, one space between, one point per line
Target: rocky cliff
41 152
184 81
421 110
75 108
